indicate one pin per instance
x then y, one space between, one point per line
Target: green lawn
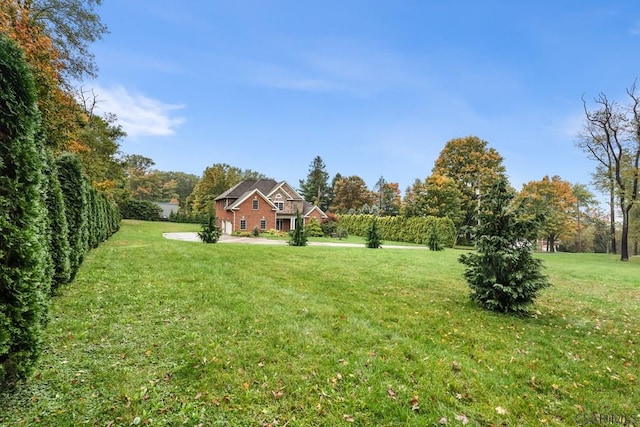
164 332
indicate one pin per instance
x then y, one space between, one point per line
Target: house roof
307 208
248 194
238 190
265 188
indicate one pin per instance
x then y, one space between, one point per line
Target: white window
255 204
263 224
279 205
243 224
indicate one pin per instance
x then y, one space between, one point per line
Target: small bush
434 241
255 232
313 228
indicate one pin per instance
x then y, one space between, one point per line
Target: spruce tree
503 274
210 233
316 188
298 236
24 285
373 237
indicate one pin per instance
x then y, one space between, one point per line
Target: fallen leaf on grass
500 410
414 403
245 386
391 393
348 418
277 394
443 421
463 419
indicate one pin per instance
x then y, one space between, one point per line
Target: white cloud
138 114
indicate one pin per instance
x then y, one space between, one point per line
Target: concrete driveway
193 237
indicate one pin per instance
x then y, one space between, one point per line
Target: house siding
253 217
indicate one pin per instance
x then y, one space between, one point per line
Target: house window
279 205
255 204
243 224
263 224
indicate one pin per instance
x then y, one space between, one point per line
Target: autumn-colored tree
437 195
611 136
217 179
474 168
350 193
388 198
553 200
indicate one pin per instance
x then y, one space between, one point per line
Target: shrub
73 185
503 275
434 241
255 232
298 236
329 228
402 229
59 229
313 228
373 239
24 286
210 233
144 210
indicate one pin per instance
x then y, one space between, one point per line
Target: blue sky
373 87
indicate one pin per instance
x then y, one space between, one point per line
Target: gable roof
238 190
248 194
307 208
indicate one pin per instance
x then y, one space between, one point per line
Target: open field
164 332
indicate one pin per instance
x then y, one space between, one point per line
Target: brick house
265 204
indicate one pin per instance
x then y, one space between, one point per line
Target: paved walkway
193 237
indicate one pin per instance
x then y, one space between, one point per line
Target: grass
164 332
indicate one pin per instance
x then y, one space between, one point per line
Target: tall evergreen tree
298 236
73 184
24 284
503 275
316 187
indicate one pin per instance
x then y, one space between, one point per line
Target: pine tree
298 236
373 238
316 188
503 275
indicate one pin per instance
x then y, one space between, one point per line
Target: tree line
51 217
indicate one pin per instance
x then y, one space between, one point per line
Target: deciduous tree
612 138
215 180
553 200
350 193
474 167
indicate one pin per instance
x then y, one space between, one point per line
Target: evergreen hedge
144 210
24 285
59 248
73 185
402 229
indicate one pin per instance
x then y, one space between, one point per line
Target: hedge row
402 229
49 218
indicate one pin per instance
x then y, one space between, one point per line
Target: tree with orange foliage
553 199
